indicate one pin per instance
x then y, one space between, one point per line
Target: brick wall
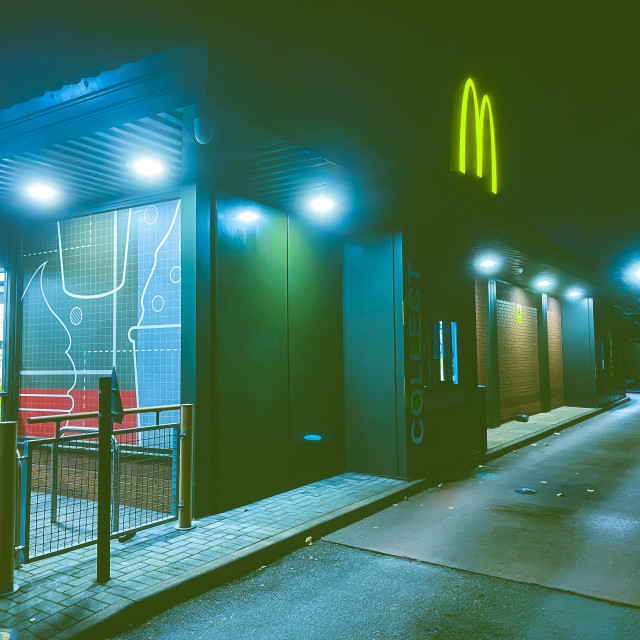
554 331
481 330
517 352
145 483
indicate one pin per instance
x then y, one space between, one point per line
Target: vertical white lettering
417 439
415 307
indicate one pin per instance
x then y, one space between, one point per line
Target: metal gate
60 486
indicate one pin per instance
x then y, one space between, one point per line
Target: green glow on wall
480 111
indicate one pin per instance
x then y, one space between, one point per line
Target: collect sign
415 349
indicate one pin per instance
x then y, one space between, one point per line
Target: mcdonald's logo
481 110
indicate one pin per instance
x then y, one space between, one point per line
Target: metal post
186 467
105 431
115 472
8 477
19 502
26 503
54 476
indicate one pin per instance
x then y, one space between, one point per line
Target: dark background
562 78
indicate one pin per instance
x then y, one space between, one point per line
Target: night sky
562 78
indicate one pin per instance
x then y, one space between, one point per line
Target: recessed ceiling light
248 216
544 283
487 263
574 293
322 204
148 167
41 191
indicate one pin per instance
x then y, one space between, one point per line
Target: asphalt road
330 592
579 531
472 559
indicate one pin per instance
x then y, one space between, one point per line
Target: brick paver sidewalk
58 596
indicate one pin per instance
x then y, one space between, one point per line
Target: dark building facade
365 336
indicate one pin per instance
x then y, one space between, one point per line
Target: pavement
513 430
473 558
577 531
59 598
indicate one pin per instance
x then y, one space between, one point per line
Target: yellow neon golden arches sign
480 111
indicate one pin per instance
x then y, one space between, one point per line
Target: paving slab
584 540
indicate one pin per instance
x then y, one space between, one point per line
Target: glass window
454 352
2 324
445 352
441 349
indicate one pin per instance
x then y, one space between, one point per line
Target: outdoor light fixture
148 167
488 263
574 293
322 204
41 191
248 216
631 274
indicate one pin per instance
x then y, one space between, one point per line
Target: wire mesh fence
61 495
146 478
60 487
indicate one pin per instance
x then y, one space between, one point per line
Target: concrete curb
154 600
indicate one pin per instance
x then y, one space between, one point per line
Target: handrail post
105 431
20 499
186 467
8 477
54 476
115 472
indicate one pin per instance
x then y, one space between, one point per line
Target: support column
198 380
13 285
8 473
543 355
578 353
493 371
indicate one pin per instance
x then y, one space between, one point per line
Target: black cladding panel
369 357
253 421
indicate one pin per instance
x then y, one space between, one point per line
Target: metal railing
97 484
